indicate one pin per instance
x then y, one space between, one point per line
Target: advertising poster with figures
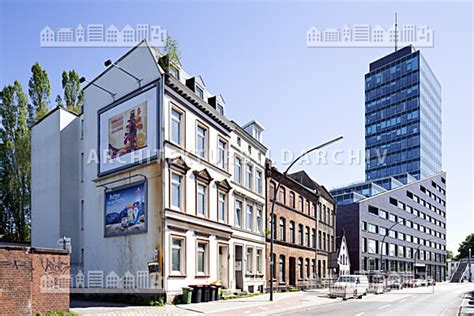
128 132
125 211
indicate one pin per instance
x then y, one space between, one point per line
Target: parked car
408 282
396 283
348 286
420 282
376 284
430 282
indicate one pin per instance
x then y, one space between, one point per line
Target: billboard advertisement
128 132
126 210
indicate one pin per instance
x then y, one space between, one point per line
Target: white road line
385 306
359 314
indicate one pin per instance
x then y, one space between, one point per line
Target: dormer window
257 134
174 72
220 108
199 92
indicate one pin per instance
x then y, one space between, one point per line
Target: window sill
201 276
177 275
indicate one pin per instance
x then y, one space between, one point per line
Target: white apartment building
156 181
247 251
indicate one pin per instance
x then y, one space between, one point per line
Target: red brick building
304 230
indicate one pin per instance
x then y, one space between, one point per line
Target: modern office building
401 228
402 117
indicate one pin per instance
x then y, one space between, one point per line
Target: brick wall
33 280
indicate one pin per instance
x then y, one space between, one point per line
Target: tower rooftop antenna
396 30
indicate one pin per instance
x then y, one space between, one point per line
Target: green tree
463 250
73 95
15 163
39 90
449 254
172 50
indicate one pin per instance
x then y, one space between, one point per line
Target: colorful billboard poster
127 131
125 210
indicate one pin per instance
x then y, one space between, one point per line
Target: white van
350 285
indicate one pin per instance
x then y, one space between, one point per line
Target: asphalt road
442 299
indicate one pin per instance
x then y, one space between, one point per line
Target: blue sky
254 53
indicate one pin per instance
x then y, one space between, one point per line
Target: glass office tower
402 117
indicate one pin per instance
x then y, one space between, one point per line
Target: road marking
385 306
359 314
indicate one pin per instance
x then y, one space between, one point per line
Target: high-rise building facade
402 117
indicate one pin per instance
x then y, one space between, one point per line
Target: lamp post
383 240
469 263
272 216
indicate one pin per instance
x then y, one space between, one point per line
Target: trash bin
196 294
218 292
205 293
213 292
187 296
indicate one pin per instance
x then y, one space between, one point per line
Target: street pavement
442 299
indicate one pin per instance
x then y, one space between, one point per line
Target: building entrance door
292 272
223 265
238 267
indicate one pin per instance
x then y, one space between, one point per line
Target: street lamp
383 239
272 219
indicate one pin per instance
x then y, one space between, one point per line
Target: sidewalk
256 305
260 305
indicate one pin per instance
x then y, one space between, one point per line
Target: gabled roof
303 178
200 81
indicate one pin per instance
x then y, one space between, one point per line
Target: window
391 250
249 177
282 231
176 127
300 204
282 268
392 218
220 108
238 214
307 237
300 268
249 259
371 228
259 220
249 221
199 92
373 210
300 235
82 215
82 167
282 195
259 261
382 231
292 199
221 207
201 142
313 233
222 152
202 257
371 246
201 199
238 170
174 72
308 269
177 255
292 232
259 179
176 190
